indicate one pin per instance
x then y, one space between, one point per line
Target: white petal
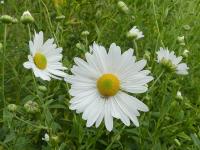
118 113
101 58
114 56
130 113
95 112
38 40
134 88
108 117
27 65
57 72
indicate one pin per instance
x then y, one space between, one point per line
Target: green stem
86 43
158 78
42 104
115 138
3 64
49 21
156 22
136 48
26 122
29 31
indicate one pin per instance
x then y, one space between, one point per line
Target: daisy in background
171 62
46 137
101 86
44 58
135 33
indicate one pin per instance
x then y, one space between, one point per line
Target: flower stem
29 31
136 48
156 22
3 64
156 80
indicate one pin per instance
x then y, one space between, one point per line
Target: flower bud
185 53
123 7
181 40
179 95
61 17
79 46
186 27
42 88
85 33
55 139
14 20
6 19
147 55
2 2
12 107
31 107
27 18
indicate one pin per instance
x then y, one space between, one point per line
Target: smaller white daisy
135 33
27 17
179 95
171 62
44 58
46 137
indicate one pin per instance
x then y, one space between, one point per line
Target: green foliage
171 123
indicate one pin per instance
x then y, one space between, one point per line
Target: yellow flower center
108 85
40 61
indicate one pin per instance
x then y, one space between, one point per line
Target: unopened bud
147 55
6 19
61 17
123 7
186 27
85 33
185 53
181 40
42 88
31 107
27 18
14 20
12 107
79 46
55 139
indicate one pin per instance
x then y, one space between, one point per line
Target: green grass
171 123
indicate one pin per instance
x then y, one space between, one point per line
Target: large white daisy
44 58
169 59
101 86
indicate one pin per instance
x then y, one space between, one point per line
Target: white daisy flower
135 33
44 58
46 137
101 86
27 17
169 60
179 95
